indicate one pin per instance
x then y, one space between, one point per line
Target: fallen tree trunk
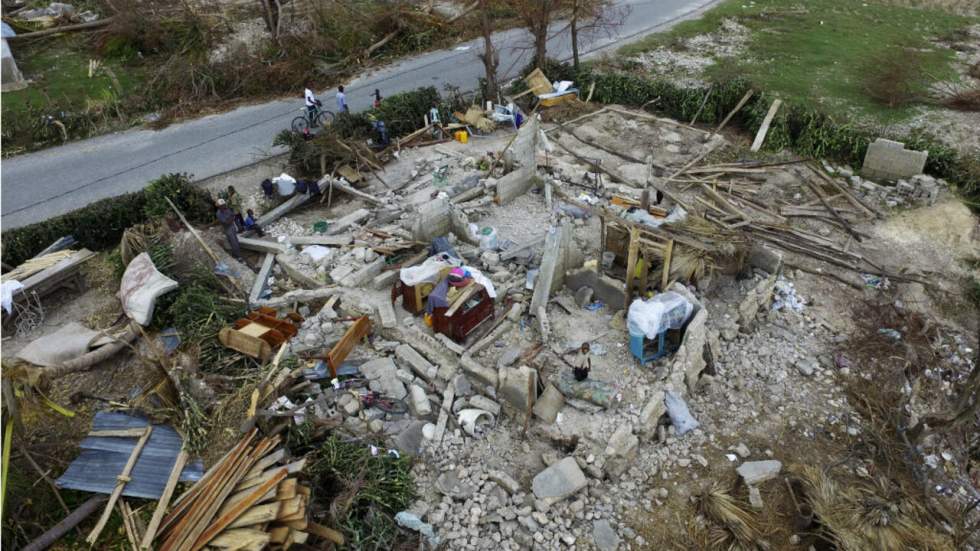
65 29
48 538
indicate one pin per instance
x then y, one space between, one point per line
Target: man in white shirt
342 100
311 101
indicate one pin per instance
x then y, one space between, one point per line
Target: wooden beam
634 249
666 270
760 136
122 479
354 334
197 236
55 533
161 508
741 103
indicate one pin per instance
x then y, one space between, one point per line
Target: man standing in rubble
227 219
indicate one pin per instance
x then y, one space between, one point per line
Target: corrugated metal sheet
102 459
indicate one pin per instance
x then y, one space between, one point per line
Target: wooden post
634 249
48 538
760 136
666 271
193 231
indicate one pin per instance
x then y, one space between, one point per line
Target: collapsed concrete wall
520 180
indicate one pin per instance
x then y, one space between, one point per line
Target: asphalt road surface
40 185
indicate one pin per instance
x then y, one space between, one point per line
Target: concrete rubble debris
486 404
517 386
549 404
621 450
756 472
419 365
889 160
476 422
420 402
560 480
605 537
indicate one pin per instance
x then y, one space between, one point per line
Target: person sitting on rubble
251 224
582 364
227 219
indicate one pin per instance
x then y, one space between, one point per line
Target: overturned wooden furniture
260 333
470 308
414 296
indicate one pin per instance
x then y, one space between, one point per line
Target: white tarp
141 285
428 271
653 316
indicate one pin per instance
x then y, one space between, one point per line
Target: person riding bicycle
312 104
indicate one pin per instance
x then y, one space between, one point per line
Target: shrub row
100 225
805 130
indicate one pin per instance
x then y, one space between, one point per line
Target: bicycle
388 405
320 117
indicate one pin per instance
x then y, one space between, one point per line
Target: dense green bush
100 225
405 112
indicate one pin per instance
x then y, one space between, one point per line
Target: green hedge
100 225
805 130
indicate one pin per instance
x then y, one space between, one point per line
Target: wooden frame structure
260 332
457 321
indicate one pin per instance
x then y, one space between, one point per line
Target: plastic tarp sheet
102 459
7 291
141 285
69 342
428 271
679 415
651 317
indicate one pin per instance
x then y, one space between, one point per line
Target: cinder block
889 160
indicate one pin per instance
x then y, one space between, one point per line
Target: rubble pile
570 332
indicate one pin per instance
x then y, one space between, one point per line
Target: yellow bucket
462 136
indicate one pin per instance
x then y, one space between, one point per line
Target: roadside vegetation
872 60
157 61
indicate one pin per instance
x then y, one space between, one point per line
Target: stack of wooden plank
248 500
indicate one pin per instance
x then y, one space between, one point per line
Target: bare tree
490 58
591 17
271 13
537 16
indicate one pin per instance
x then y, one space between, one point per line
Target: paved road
40 185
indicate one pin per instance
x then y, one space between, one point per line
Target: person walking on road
342 101
227 219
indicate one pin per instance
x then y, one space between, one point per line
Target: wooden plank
168 492
57 272
665 273
259 514
325 533
215 527
122 479
741 103
291 468
193 231
240 537
354 334
189 502
837 216
120 433
290 507
278 534
760 136
470 290
199 519
266 462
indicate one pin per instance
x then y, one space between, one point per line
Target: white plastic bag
665 311
317 252
285 184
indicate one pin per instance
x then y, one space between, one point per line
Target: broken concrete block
384 280
552 270
387 314
758 298
382 375
432 219
345 222
888 160
583 296
765 258
405 376
651 414
477 372
420 402
755 472
505 481
508 358
419 365
462 385
755 499
365 274
559 481
549 404
544 325
604 536
518 386
484 403
621 450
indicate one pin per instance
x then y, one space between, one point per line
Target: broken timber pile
248 500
